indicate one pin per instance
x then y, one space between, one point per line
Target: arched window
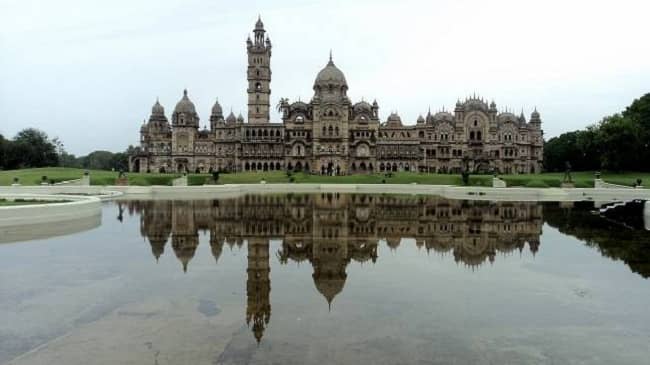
471 135
330 130
478 135
337 131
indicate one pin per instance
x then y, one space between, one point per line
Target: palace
331 135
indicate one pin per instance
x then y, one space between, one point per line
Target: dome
299 105
185 105
259 25
475 104
507 117
157 109
330 75
535 114
231 118
420 119
216 109
240 118
443 117
362 107
394 120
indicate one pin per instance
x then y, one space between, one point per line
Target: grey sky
89 71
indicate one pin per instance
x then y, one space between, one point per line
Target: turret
535 120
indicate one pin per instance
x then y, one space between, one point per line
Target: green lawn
12 203
97 177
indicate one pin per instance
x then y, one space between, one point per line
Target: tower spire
331 62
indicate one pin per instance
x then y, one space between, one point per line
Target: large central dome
330 75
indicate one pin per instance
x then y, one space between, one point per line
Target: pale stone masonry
332 135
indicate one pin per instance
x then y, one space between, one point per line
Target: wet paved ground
327 280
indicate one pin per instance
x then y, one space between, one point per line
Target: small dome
362 107
507 117
157 109
259 25
231 118
299 105
185 105
420 119
240 118
330 75
443 117
475 104
216 109
493 105
535 114
394 120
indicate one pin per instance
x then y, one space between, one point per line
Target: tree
98 160
3 146
619 140
31 148
639 113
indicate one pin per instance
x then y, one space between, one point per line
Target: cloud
89 71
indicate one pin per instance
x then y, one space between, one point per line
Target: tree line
619 142
34 148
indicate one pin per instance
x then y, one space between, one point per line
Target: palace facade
332 135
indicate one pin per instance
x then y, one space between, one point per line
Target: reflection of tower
258 286
185 238
155 224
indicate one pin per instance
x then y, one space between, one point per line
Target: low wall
76 207
452 192
600 184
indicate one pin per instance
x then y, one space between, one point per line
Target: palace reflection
330 230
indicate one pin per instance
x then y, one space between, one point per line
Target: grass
99 177
16 202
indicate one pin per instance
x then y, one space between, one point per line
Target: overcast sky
88 71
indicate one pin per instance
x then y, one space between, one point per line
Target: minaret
259 75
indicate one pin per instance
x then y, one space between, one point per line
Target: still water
330 279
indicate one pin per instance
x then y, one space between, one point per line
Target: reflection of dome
330 75
157 245
329 285
185 105
216 246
